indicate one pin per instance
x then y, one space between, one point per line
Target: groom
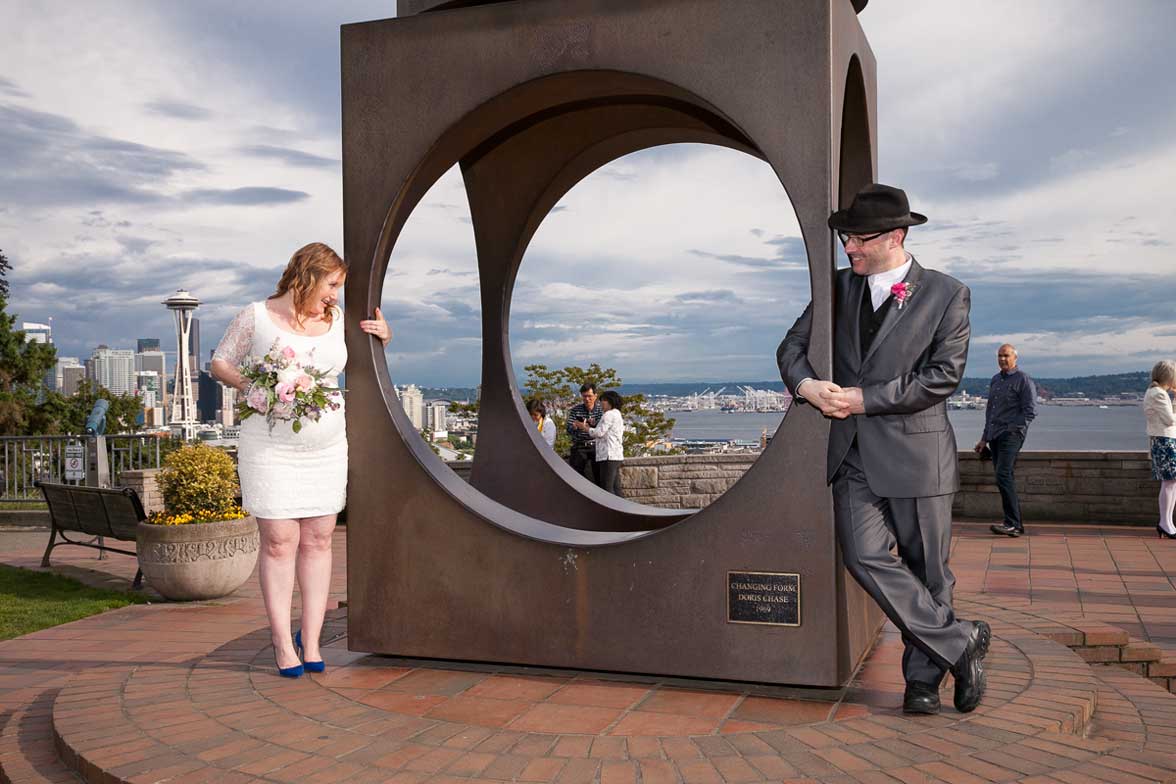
900 344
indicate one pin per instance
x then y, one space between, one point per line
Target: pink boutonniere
902 292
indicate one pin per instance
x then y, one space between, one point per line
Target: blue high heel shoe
289 672
318 666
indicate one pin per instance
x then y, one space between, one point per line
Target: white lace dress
286 474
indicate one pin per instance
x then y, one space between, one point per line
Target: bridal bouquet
285 390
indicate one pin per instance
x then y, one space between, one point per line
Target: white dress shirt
880 282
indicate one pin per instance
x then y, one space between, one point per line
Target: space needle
183 418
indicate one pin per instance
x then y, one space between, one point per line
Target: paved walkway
167 692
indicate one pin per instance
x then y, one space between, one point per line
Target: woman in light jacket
609 435
1161 427
543 423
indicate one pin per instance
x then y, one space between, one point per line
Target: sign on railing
64 459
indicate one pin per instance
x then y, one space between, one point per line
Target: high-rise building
37 333
114 369
414 405
147 344
71 380
183 419
194 348
59 371
435 415
149 385
154 361
216 401
228 407
41 333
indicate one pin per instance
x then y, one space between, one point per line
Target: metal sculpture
529 563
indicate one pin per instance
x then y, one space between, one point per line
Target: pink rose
288 352
257 399
304 382
285 392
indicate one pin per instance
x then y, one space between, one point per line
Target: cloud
288 156
10 88
177 110
243 197
136 246
50 160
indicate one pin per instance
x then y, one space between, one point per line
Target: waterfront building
114 369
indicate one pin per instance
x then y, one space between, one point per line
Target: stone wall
143 483
1112 488
682 481
1080 487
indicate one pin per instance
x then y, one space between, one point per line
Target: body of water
1066 428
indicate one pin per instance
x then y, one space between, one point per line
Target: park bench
104 513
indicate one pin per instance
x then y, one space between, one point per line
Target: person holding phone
583 455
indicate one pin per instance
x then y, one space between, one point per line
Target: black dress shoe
1004 529
920 698
968 671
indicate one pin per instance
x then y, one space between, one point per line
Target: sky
147 146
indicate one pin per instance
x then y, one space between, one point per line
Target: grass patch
30 601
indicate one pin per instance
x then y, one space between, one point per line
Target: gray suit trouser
913 587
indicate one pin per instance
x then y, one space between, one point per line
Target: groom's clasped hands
834 401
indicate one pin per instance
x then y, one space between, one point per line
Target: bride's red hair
308 266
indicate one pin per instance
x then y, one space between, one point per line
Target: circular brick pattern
229 717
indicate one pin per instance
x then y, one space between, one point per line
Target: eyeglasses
861 239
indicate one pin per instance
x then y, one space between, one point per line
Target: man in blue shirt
1011 407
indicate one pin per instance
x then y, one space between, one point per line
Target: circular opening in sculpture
520 154
431 298
669 275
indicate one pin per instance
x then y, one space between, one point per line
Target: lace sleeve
234 346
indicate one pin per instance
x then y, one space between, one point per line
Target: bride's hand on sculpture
377 327
827 397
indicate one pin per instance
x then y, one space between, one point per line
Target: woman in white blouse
1161 428
609 435
543 423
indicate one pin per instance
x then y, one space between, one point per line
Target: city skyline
206 150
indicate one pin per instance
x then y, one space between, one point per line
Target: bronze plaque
766 598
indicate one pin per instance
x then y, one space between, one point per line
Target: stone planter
198 561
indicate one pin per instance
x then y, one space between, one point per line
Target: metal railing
25 460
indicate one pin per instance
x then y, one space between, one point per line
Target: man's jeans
1004 458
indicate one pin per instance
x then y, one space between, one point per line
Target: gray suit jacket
915 363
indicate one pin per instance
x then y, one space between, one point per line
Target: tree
645 427
23 367
4 268
121 417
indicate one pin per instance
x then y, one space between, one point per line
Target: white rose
289 375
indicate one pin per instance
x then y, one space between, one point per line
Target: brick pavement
188 693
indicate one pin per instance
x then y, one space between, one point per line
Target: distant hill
1090 386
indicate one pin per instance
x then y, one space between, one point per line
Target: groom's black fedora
876 207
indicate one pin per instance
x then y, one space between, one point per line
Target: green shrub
198 484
